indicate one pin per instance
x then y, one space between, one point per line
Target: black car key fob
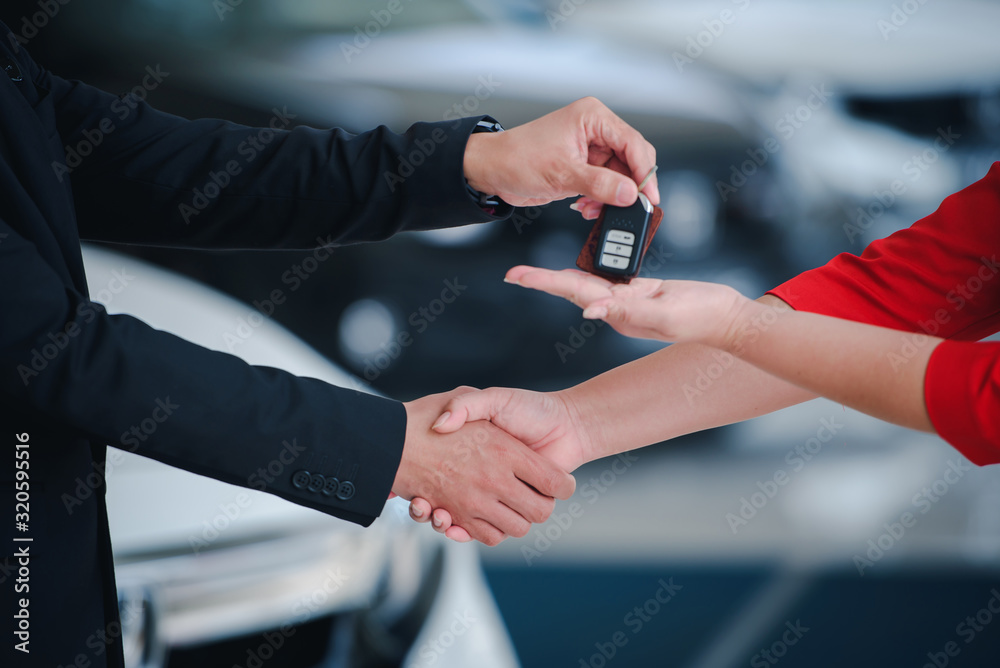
619 239
622 238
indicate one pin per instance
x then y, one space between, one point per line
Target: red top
938 277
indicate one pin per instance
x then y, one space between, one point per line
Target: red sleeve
941 277
962 391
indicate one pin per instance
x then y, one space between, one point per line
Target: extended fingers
642 309
576 286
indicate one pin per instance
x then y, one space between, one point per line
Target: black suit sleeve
121 382
136 175
143 176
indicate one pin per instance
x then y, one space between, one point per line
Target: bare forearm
875 370
682 389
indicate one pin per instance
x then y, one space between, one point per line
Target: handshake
487 464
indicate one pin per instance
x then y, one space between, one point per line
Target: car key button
620 237
615 261
624 250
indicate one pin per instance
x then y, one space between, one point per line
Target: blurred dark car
773 156
428 311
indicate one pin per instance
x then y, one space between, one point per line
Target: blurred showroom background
781 128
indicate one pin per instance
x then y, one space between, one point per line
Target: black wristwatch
487 203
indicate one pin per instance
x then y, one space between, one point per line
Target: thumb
480 405
635 318
605 185
615 312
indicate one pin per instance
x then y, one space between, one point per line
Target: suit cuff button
300 480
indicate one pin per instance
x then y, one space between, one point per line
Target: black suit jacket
76 163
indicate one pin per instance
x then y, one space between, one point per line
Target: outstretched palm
647 308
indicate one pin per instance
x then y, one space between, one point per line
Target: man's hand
493 485
546 422
581 149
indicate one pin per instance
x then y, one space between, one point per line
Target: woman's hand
875 370
679 311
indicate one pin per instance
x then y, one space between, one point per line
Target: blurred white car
869 113
215 575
